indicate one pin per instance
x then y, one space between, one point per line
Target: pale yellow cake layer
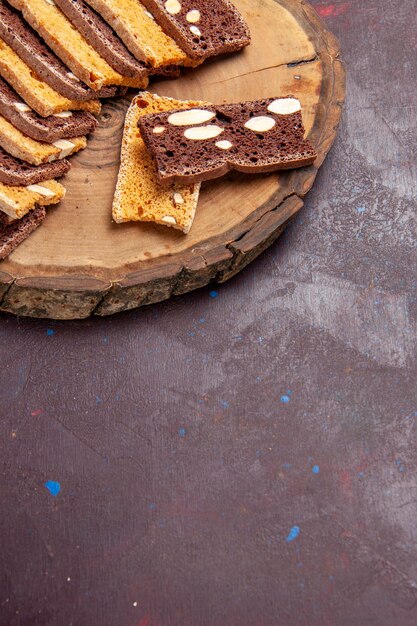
17 201
36 152
139 196
37 94
140 33
71 47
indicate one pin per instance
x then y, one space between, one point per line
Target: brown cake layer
28 45
47 129
203 29
13 233
101 37
207 142
17 173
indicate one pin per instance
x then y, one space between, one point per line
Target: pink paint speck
332 10
37 412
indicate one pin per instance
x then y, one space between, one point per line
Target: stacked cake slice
181 144
59 59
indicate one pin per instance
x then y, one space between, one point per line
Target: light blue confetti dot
225 404
361 209
315 469
293 534
202 320
214 294
50 332
285 399
53 487
182 432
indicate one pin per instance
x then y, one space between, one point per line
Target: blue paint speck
400 465
53 487
182 432
214 294
360 209
315 469
361 474
224 404
202 320
286 465
99 400
293 534
50 332
191 333
152 506
285 399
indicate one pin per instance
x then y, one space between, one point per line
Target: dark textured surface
191 438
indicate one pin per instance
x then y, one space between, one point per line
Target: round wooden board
80 263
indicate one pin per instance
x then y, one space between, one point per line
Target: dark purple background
245 457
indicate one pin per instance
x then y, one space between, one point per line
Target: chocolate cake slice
13 233
101 37
16 173
207 142
48 129
71 47
28 45
203 29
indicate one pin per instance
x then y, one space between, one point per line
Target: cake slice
49 129
203 29
30 48
206 142
35 152
17 201
71 47
36 93
14 232
17 173
138 195
140 33
101 37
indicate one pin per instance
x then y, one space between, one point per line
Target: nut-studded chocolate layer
101 37
206 142
71 47
203 29
36 93
14 232
28 45
48 129
16 173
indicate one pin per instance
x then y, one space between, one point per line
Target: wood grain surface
80 262
246 454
